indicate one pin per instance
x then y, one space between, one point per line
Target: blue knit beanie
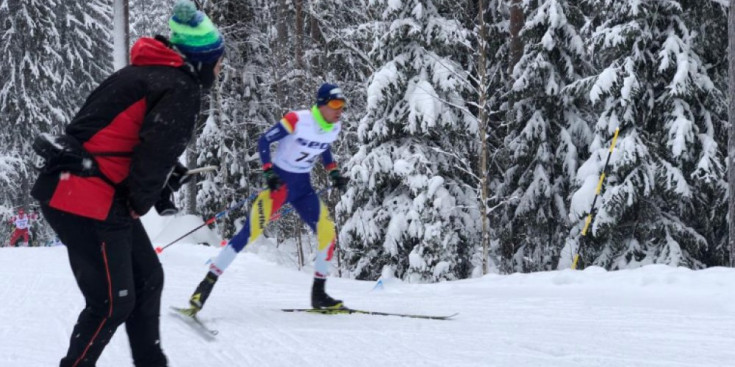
194 34
328 92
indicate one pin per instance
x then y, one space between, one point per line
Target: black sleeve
166 130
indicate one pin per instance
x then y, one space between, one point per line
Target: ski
186 315
346 311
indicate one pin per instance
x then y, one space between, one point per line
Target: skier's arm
328 160
277 132
164 134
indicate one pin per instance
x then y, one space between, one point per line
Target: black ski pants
121 279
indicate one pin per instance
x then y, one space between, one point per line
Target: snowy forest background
456 109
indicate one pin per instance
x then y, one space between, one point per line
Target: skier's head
195 36
331 102
330 92
20 211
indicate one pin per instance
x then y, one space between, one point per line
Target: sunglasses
336 104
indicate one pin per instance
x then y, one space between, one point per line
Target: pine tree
87 51
667 170
341 35
32 77
149 18
238 111
547 128
498 82
709 21
406 207
54 54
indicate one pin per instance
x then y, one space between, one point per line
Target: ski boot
202 292
320 299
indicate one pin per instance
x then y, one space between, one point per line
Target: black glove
272 180
338 181
178 177
164 205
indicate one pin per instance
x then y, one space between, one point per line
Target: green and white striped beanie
194 34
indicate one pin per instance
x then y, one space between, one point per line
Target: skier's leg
265 204
263 207
316 215
14 238
143 324
25 237
101 262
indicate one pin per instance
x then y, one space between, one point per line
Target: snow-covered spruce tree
87 38
149 18
709 21
666 175
407 204
52 56
341 36
29 36
345 32
497 83
547 128
237 114
31 76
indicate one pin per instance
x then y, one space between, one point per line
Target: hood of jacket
154 52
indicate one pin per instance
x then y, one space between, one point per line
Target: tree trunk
300 250
337 251
280 52
516 24
299 46
316 39
514 56
483 125
731 135
190 201
121 33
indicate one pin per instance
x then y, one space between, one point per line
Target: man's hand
338 181
272 180
165 205
178 177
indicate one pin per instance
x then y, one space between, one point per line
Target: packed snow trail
653 316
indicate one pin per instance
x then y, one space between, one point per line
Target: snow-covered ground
652 316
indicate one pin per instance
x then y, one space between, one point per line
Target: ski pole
209 221
588 220
275 216
200 170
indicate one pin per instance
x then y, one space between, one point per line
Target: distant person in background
134 126
22 223
303 138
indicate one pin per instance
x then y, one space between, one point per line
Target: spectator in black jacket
135 125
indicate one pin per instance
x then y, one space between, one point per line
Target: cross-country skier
303 136
135 125
22 223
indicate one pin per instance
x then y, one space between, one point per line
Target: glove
338 181
272 180
178 177
164 206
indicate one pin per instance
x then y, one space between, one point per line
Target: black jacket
136 124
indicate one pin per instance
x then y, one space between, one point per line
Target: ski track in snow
653 316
